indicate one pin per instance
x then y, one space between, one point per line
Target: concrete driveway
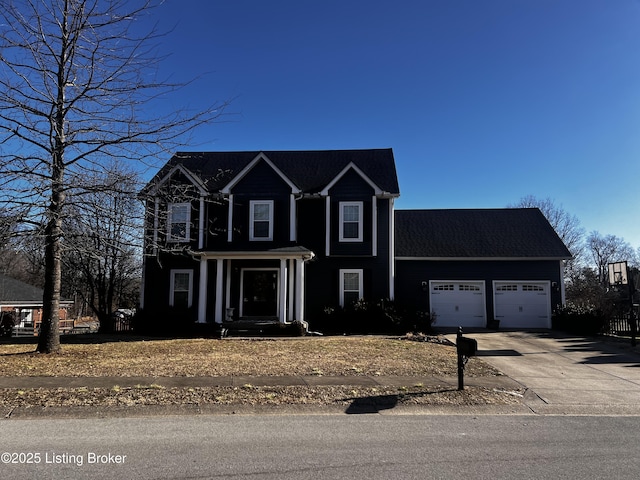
567 374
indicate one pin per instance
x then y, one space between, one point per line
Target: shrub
420 322
383 317
7 322
579 320
293 329
172 321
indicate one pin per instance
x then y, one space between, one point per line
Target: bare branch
80 93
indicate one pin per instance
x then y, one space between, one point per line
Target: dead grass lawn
212 357
349 356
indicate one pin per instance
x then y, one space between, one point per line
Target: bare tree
7 228
103 248
79 87
566 225
606 249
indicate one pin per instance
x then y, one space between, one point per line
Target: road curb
89 412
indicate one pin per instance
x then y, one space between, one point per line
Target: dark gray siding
323 282
311 224
322 274
217 215
261 183
351 188
157 282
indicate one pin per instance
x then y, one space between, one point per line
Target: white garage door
458 303
522 304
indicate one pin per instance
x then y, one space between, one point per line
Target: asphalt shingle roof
15 291
309 170
477 233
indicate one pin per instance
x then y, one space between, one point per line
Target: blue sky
482 101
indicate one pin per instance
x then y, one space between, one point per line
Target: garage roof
506 233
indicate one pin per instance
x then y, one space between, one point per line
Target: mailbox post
466 347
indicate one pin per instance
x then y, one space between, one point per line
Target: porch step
258 327
243 327
251 327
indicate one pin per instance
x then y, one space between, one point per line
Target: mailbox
466 346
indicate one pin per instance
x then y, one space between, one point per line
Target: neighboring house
474 266
282 235
24 302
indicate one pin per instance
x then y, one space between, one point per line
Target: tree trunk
106 323
49 338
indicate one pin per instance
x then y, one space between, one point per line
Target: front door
259 293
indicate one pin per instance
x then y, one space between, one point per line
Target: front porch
252 289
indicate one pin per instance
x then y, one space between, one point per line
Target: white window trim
156 223
172 286
252 205
341 206
359 271
170 208
327 226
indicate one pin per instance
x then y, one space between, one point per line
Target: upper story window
179 222
350 221
261 220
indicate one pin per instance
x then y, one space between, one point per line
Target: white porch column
283 290
202 291
219 297
300 289
291 293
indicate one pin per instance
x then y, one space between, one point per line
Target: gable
351 184
477 234
261 179
265 167
182 174
352 174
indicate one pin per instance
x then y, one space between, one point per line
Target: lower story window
350 287
181 289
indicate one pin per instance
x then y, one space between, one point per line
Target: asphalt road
322 446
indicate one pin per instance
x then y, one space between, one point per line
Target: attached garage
522 304
507 265
458 303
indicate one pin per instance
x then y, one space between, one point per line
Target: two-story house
282 235
269 235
